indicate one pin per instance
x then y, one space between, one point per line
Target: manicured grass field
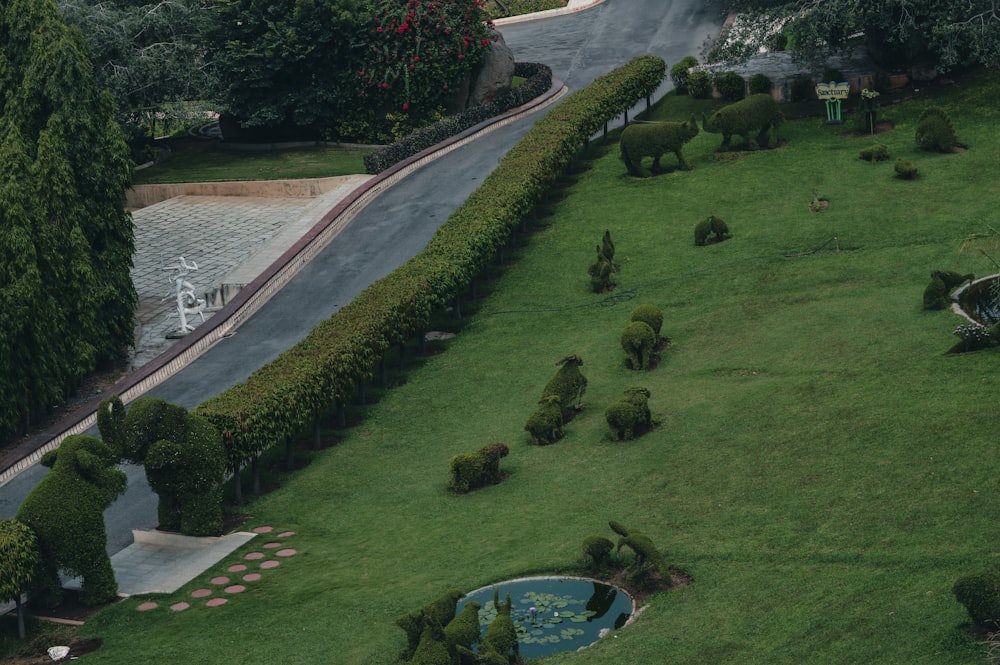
198 160
819 465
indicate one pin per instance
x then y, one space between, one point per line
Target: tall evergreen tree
67 301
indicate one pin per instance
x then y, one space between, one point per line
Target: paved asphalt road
396 225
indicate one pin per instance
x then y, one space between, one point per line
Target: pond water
554 614
979 300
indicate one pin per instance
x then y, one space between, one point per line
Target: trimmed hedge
538 79
278 400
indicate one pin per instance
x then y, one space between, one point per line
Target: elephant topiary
66 512
639 141
183 455
757 113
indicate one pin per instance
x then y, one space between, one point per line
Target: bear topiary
935 131
66 512
757 113
651 315
183 455
468 471
639 342
980 594
639 141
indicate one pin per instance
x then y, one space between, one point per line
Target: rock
495 73
58 653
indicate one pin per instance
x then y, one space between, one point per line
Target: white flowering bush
974 336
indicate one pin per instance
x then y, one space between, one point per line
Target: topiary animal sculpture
545 424
66 512
568 384
647 556
501 635
639 141
468 471
651 315
942 283
757 113
639 341
629 414
183 455
710 230
608 248
600 272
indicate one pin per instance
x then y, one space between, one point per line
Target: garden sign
833 93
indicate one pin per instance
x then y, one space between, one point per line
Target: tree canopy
945 33
66 242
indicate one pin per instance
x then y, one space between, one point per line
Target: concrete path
398 223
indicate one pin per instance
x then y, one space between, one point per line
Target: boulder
495 73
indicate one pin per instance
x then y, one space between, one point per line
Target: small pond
554 614
979 300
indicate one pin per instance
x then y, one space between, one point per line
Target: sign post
833 94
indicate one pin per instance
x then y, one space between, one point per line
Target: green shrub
432 649
647 557
905 169
437 613
629 415
980 594
875 153
801 89
760 84
463 630
679 73
598 549
568 384
638 341
468 471
942 283
730 86
66 512
545 423
935 131
600 273
651 315
639 141
608 248
710 230
756 113
777 42
19 562
699 84
501 635
831 74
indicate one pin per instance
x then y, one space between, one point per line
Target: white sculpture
187 301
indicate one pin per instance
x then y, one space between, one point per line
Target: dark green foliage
831 74
437 613
19 561
679 73
468 471
111 424
875 153
608 248
598 549
942 283
760 84
600 273
66 294
935 131
730 86
699 84
538 79
710 230
757 113
648 558
651 315
629 415
905 169
463 630
980 594
545 423
432 649
568 384
66 512
653 140
639 342
183 456
501 635
801 89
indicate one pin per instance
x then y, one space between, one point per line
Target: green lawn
820 466
198 160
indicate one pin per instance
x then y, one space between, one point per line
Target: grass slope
820 467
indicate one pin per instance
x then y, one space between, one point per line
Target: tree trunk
255 472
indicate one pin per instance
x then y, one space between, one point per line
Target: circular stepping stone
270 564
271 546
251 577
253 556
287 534
215 602
288 552
145 607
201 593
179 607
264 529
238 568
236 588
221 579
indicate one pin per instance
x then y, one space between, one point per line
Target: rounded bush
699 84
679 72
638 341
935 131
980 594
760 84
905 169
731 86
875 153
650 315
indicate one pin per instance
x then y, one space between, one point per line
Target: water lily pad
578 619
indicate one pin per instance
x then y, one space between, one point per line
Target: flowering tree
19 560
420 52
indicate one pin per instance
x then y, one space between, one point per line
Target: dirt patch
654 583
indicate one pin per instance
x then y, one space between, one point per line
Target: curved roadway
397 224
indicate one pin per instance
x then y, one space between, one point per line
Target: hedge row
277 401
538 81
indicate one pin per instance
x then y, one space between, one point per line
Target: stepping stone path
223 583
